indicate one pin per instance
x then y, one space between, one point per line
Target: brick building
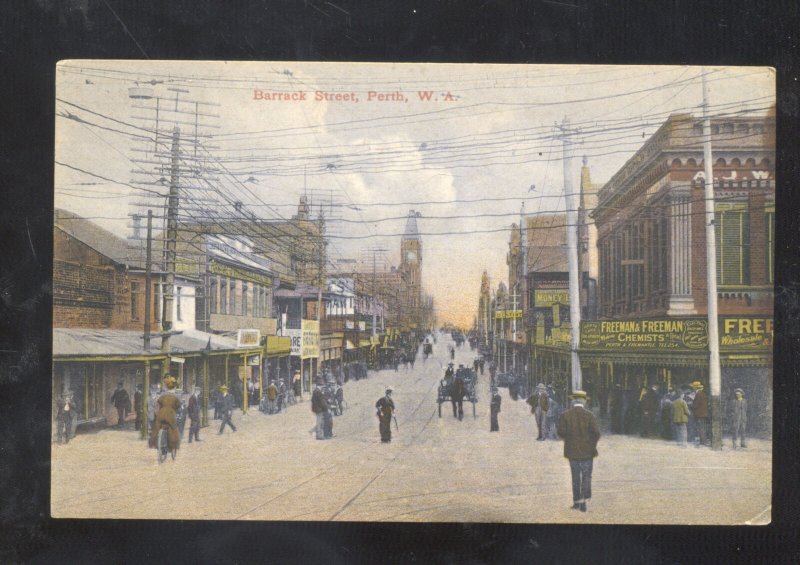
652 267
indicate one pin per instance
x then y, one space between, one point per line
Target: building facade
652 264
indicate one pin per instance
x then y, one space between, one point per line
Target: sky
464 145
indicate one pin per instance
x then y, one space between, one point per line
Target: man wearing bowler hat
578 428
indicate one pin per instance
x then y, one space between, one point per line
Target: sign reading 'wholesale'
645 335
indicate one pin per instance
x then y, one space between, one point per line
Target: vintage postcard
413 292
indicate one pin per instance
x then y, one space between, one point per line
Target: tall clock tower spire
411 269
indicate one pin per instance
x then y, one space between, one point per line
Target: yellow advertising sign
547 297
745 333
646 335
507 314
309 346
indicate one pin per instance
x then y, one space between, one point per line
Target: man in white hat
578 427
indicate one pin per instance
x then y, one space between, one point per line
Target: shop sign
745 334
362 326
349 325
688 334
297 341
544 298
278 346
507 314
248 338
241 274
253 360
310 339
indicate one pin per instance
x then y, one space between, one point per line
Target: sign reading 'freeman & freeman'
639 335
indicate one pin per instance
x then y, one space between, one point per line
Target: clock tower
411 270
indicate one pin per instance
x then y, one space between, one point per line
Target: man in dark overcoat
494 410
226 409
457 396
700 412
66 412
122 402
138 406
193 412
578 427
319 406
385 407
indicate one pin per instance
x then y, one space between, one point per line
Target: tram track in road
351 455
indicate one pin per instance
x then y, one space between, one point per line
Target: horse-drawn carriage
448 384
427 349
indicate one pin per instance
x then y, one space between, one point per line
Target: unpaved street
435 469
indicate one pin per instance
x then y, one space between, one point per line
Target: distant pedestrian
385 413
297 385
539 404
578 427
649 404
700 412
272 396
554 411
739 418
680 417
319 406
138 406
167 407
494 410
193 413
666 415
122 402
492 371
457 395
480 364
226 409
64 417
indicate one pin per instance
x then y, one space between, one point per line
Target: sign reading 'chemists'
641 335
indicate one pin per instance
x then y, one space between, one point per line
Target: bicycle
162 444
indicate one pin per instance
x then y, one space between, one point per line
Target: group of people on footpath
690 408
546 409
681 415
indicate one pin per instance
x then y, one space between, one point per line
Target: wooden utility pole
572 250
714 373
172 237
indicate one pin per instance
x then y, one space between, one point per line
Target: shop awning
349 345
75 343
364 343
682 359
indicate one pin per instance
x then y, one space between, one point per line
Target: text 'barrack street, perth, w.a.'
369 96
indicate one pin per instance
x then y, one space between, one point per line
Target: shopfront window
232 297
244 299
